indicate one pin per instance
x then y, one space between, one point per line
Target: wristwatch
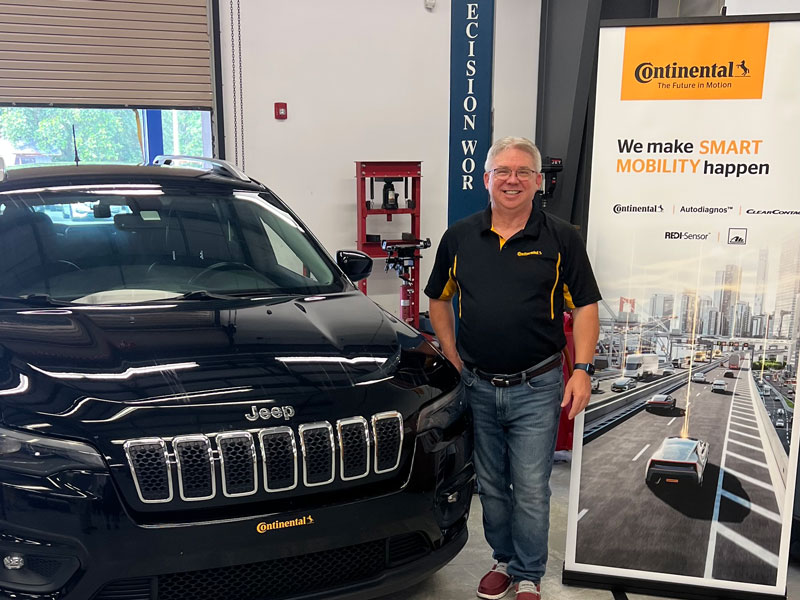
588 367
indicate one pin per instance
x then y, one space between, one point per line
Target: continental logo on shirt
694 62
531 253
264 527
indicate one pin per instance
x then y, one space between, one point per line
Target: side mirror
356 265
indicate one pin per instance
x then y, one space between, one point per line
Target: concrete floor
458 580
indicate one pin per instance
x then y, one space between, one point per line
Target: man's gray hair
518 143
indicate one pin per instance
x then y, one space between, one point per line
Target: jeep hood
96 372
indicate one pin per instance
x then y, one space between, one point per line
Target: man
514 269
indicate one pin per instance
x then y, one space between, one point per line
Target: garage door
106 53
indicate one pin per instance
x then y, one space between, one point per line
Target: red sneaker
527 590
496 583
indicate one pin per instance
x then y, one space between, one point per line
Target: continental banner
684 480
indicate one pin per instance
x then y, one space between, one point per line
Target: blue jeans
515 438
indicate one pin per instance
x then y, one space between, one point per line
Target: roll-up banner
683 483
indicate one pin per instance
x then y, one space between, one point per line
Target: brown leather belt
518 378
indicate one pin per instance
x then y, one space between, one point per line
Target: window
44 136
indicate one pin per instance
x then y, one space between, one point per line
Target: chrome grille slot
147 459
196 479
316 440
354 446
238 463
387 430
279 455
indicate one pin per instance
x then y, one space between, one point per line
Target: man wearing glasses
515 268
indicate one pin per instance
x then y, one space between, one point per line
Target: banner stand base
658 588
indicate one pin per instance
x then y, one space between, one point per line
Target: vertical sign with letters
472 32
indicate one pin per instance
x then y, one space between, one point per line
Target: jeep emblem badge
276 412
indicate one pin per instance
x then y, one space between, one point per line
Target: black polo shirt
512 293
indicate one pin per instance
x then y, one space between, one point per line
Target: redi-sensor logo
685 235
694 62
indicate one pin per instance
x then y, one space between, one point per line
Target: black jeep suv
196 403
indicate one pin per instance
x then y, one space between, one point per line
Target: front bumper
80 539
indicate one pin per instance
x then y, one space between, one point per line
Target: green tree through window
44 135
189 128
102 135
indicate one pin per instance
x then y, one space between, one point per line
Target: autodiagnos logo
646 72
685 235
707 210
638 208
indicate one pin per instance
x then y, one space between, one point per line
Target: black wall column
567 65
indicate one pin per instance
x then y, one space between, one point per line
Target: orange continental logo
694 62
264 527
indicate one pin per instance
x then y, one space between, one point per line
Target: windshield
100 244
678 449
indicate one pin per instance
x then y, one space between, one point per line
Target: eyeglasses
523 173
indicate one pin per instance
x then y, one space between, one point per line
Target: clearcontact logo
777 211
638 208
264 527
707 210
685 235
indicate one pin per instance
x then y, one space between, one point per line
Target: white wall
363 80
762 7
516 67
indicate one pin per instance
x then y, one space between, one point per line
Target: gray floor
457 581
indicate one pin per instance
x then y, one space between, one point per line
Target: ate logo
737 236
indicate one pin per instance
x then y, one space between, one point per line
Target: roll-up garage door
110 53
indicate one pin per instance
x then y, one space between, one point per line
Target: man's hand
578 391
443 321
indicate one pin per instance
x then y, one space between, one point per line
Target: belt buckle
499 382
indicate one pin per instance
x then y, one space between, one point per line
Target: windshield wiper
204 295
261 295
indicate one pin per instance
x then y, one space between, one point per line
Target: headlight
445 411
36 455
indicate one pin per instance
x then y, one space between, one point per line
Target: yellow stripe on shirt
568 297
553 292
502 239
451 285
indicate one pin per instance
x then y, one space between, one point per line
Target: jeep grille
234 461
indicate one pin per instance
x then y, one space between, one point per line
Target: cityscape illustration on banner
685 475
